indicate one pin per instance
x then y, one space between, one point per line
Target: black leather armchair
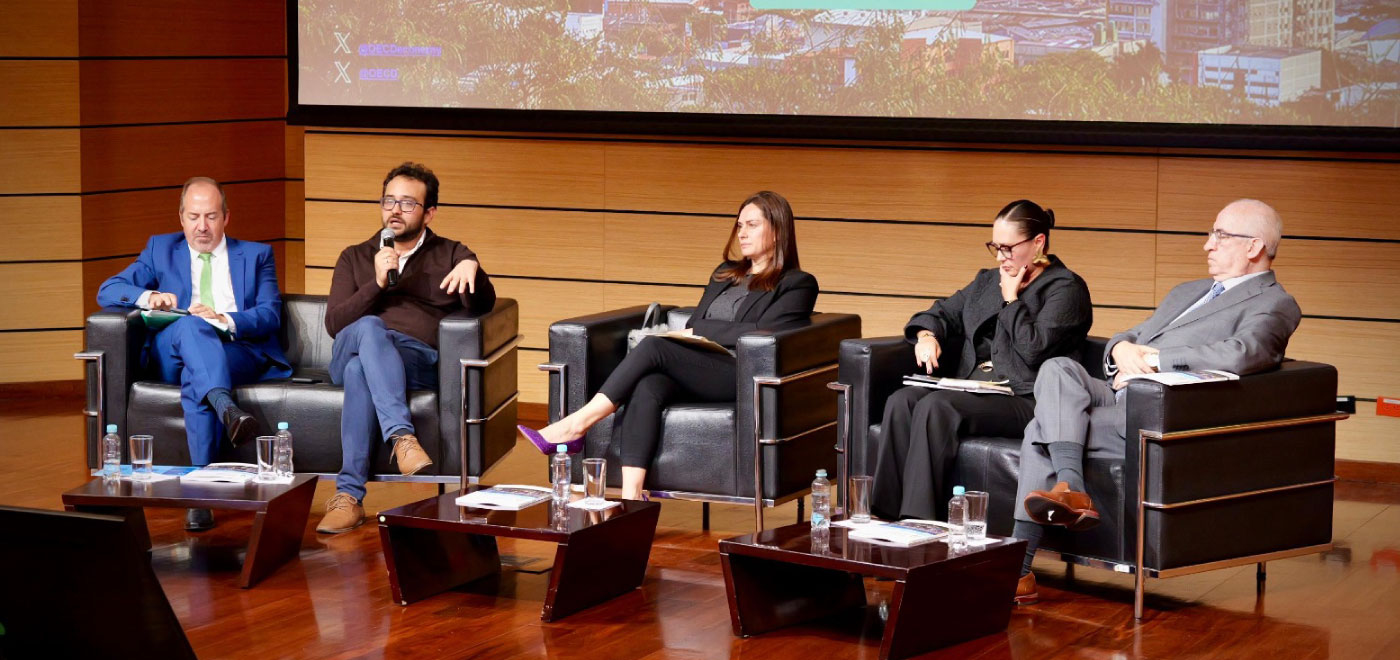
1235 472
465 426
769 441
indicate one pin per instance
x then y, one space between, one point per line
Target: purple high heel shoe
546 447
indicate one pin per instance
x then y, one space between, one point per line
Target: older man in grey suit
1238 320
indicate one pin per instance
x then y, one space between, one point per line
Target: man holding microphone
387 296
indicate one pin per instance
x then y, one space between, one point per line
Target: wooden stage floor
334 601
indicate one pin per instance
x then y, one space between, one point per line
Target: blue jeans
376 366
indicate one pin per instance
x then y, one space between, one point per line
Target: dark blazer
1050 318
164 265
788 305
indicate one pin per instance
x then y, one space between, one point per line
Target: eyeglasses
406 204
1004 250
1221 234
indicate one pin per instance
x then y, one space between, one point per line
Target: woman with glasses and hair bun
1000 327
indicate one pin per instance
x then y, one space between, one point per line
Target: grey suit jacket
1243 331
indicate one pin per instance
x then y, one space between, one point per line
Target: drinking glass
976 515
595 471
142 449
267 445
860 499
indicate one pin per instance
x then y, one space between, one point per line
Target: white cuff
144 302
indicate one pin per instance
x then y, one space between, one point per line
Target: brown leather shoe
1062 506
343 513
410 454
1026 592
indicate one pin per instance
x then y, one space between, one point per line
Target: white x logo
344 72
341 43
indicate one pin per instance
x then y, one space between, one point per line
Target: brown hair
1029 218
415 172
779 215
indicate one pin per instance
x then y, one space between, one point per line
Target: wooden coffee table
278 525
434 545
775 579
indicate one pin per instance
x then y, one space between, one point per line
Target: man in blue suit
229 338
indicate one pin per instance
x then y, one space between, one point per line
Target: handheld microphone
386 239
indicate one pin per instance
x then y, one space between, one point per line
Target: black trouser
657 372
919 438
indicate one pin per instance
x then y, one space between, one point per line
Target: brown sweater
415 306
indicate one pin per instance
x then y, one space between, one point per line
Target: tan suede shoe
1026 592
343 513
1062 506
410 454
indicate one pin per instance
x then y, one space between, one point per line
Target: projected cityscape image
1290 62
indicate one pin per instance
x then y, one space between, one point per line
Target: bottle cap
958 490
821 473
561 449
282 426
111 428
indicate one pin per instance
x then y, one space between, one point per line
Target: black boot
199 520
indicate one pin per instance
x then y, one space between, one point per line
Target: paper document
1170 378
696 341
959 384
505 497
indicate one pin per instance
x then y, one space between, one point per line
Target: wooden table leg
599 563
938 605
135 517
766 595
277 533
426 562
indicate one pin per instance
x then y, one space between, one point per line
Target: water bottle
282 452
111 454
560 473
821 501
821 512
957 516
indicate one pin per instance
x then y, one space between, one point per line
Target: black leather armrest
799 405
474 337
1091 354
120 335
1237 460
873 368
590 347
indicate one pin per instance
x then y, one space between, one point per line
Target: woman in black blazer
1003 326
758 287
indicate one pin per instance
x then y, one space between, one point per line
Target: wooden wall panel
147 156
38 93
295 156
59 216
885 184
39 29
532 383
665 248
294 193
1364 353
94 274
539 173
291 267
509 241
1357 437
317 281
121 223
1315 198
178 27
40 161
152 91
40 356
40 295
1314 272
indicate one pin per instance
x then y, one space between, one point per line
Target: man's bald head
1260 219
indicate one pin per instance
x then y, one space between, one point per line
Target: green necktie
206 280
